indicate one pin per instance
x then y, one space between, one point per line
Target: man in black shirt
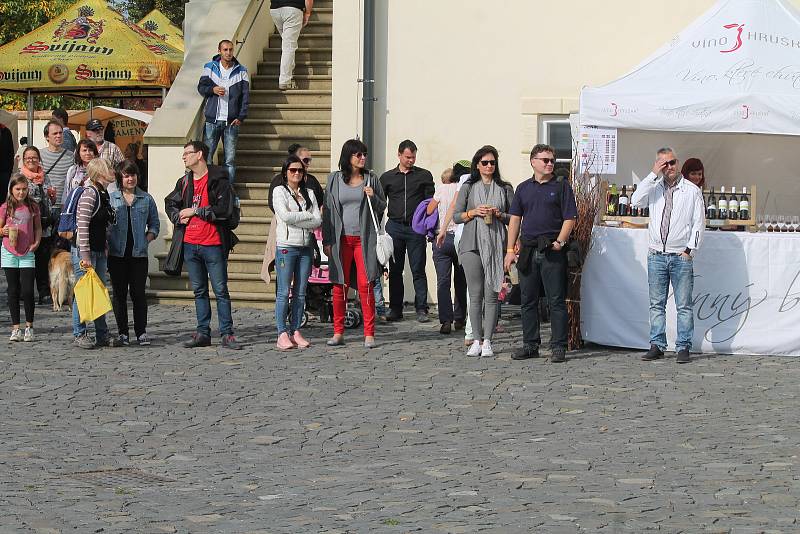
406 186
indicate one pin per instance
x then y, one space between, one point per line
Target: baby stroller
319 293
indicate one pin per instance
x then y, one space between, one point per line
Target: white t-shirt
444 195
460 227
222 108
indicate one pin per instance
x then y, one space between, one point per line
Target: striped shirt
58 175
111 152
669 190
86 206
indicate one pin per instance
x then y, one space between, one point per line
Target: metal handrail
252 23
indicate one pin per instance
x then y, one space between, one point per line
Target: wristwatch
562 243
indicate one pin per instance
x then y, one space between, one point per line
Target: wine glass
795 223
760 226
775 227
768 222
781 223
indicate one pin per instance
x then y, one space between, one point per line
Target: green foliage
136 9
23 16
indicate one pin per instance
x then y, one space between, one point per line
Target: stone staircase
276 119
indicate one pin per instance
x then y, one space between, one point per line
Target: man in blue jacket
226 86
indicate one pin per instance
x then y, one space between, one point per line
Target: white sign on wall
597 148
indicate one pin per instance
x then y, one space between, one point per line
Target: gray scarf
491 237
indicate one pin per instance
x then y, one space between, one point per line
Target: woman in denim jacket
136 225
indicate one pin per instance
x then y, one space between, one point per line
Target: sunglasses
306 161
295 170
487 162
547 161
360 155
670 163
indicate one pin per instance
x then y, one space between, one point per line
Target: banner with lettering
746 292
88 46
735 69
157 22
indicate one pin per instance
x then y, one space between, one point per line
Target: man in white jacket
677 222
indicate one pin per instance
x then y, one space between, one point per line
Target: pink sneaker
299 340
284 342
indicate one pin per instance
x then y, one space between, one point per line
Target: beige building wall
454 75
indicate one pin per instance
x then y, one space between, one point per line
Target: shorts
28 261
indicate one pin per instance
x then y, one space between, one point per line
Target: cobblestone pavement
412 436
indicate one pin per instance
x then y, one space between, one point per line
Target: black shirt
129 238
312 184
543 207
299 4
404 191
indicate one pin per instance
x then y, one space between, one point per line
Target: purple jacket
425 224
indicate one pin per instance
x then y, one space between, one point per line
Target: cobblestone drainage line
120 478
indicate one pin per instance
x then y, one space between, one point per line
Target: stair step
186 298
301 54
289 111
307 40
292 129
320 82
237 283
295 96
282 142
265 68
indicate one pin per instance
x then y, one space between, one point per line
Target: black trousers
406 239
42 256
548 269
129 274
20 282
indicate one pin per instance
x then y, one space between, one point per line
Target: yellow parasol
88 47
158 23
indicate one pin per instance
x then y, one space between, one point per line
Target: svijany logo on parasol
81 28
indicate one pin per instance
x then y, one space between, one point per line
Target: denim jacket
145 219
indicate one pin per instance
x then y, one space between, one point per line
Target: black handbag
173 264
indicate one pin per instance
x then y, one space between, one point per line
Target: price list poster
598 150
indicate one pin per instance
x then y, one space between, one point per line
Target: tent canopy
88 47
157 22
77 121
735 69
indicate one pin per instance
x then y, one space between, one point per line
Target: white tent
734 71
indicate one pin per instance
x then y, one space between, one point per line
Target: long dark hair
349 148
474 173
87 143
11 202
285 180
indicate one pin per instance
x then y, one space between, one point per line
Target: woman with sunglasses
482 207
349 236
311 182
41 192
297 216
76 175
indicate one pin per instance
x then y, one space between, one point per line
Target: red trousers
351 250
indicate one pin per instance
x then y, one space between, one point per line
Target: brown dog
62 278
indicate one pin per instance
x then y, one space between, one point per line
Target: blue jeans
100 264
229 134
661 270
292 267
377 288
405 238
203 262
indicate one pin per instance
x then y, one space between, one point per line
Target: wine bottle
722 204
711 206
645 211
634 209
613 198
623 205
744 205
733 205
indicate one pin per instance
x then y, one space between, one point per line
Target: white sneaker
486 351
28 334
475 350
16 335
143 340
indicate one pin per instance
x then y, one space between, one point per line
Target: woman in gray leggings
482 207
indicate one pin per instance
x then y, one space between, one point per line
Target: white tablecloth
746 292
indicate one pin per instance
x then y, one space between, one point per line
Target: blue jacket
145 219
237 87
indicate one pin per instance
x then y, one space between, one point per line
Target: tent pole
91 107
30 118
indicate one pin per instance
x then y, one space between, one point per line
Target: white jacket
687 222
295 224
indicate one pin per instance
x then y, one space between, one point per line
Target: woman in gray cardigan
482 207
348 236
